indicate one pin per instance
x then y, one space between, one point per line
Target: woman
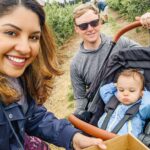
28 64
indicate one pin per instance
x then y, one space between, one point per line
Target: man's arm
125 42
79 89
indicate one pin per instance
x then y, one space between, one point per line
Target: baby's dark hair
132 73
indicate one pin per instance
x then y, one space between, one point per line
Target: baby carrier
136 57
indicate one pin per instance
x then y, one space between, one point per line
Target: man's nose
90 27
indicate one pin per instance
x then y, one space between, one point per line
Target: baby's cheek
117 94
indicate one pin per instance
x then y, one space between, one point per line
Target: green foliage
115 4
60 19
130 8
70 94
70 97
71 105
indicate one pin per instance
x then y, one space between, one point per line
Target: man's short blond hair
83 8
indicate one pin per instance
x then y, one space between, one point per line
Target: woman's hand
80 141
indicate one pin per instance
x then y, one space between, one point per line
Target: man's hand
145 20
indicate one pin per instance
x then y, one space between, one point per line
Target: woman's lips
17 61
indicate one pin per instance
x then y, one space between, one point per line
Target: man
93 50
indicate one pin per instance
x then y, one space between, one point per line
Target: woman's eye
11 33
35 38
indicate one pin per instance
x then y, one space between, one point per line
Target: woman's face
19 41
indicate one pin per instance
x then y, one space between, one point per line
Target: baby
129 90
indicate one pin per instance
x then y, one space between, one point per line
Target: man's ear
76 28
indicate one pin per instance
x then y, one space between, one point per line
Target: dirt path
58 102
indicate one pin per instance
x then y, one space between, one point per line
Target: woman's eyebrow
37 32
17 28
11 25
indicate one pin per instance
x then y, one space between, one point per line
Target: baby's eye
11 33
121 90
132 90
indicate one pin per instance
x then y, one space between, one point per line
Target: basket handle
125 29
90 129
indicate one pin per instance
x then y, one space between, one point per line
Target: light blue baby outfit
136 124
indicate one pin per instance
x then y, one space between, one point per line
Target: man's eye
11 33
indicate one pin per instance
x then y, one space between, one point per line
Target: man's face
91 33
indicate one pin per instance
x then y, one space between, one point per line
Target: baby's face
129 89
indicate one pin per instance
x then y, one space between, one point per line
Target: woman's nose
23 46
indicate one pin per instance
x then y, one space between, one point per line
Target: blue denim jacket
36 122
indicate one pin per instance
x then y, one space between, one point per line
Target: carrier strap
107 118
110 108
130 113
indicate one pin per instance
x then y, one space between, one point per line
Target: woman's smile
16 61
